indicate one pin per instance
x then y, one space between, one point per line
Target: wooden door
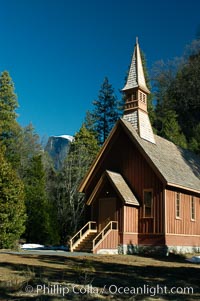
107 211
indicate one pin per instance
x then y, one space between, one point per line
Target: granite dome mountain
57 148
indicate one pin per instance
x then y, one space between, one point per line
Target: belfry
136 93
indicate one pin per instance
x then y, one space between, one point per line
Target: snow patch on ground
42 247
31 246
194 259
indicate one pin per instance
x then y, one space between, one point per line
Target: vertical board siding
184 224
130 219
139 175
110 241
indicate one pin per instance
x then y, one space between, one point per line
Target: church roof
136 78
122 188
119 185
177 166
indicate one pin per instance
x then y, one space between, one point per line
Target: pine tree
89 122
9 128
51 189
38 226
70 202
166 122
171 130
12 209
106 111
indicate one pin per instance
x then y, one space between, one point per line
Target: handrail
89 226
112 225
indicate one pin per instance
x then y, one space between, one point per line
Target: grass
98 277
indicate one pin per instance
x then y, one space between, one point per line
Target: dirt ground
98 277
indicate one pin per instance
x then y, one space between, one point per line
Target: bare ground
98 277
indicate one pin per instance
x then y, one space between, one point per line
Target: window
178 205
148 203
192 208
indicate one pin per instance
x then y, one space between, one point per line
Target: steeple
136 92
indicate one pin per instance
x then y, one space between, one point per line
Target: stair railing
112 225
90 226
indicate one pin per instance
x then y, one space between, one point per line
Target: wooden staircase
86 244
82 241
88 240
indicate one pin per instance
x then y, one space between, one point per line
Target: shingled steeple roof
136 78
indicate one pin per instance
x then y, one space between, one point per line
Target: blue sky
59 51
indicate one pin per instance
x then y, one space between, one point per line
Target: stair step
86 244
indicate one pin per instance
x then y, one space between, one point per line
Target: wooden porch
88 239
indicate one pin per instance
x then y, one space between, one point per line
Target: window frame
144 206
178 205
192 208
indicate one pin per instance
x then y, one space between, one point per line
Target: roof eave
183 187
144 89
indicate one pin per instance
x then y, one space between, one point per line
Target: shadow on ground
152 275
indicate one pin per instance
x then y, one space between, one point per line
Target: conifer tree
106 111
38 226
12 208
9 128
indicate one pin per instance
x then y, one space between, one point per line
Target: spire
136 78
136 93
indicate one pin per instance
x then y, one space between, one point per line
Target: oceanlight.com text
62 290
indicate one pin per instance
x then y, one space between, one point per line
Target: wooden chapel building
142 191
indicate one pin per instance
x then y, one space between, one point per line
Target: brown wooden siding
122 156
110 241
140 176
184 224
151 239
129 238
130 219
182 240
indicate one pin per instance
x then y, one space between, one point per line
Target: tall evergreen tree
51 189
106 111
89 122
70 203
38 226
12 209
166 122
9 128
